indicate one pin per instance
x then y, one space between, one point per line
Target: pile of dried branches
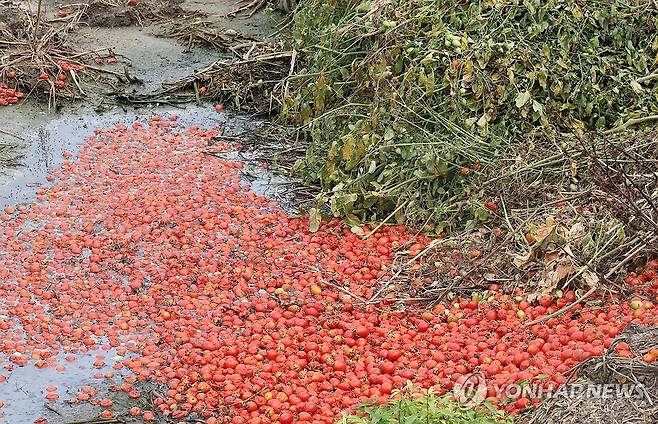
249 84
637 404
250 7
625 173
580 217
201 33
35 57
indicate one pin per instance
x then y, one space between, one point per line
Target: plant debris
249 84
36 59
118 13
202 33
633 397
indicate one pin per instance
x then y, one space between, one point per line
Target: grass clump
425 409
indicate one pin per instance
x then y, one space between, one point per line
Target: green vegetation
427 409
412 106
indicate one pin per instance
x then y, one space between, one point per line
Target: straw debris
633 383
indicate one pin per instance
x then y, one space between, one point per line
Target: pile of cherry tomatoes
9 96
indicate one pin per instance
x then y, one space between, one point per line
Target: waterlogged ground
48 144
144 277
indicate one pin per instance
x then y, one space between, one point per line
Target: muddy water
44 144
25 389
152 59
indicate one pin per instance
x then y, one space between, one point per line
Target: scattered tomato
491 205
158 252
9 96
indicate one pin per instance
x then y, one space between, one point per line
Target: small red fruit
387 367
491 205
286 418
393 355
362 331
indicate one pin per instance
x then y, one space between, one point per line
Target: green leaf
357 230
314 219
636 87
389 134
442 166
577 13
482 214
522 99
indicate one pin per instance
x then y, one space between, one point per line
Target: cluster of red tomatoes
60 79
149 246
9 96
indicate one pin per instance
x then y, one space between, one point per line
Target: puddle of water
25 389
45 145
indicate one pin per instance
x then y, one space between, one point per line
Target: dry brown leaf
590 278
543 232
522 260
577 231
558 267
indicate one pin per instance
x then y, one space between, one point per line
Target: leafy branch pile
412 107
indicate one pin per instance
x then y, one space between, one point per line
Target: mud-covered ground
136 36
39 137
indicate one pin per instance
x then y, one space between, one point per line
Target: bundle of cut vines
35 57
